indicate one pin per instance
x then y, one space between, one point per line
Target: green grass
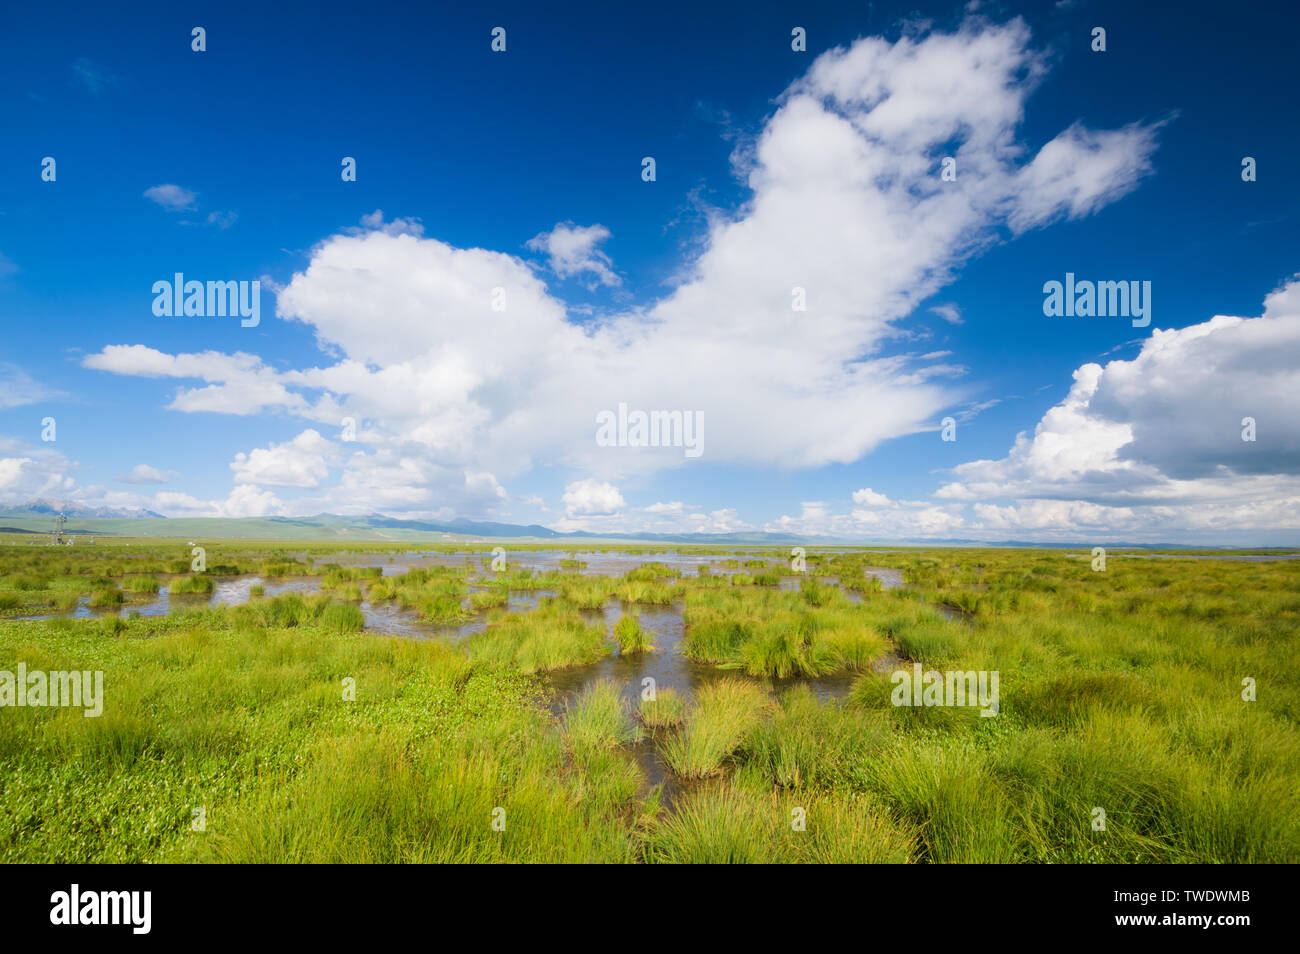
665 710
632 637
550 637
649 572
109 596
256 730
342 618
191 584
807 744
640 591
781 634
586 592
725 714
1120 690
598 720
284 611
488 599
743 823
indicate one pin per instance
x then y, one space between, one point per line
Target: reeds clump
550 637
286 610
638 591
663 710
342 618
808 743
348 592
191 584
726 712
380 592
650 572
586 592
598 720
107 597
788 647
488 599
632 636
739 824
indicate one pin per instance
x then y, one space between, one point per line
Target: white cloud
904 519
374 221
592 497
1081 170
1156 441
301 462
173 198
245 500
34 475
948 312
869 498
661 518
571 250
245 386
845 203
485 485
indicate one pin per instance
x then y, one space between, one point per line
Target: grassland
302 738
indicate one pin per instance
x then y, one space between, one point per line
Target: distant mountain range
37 516
51 508
381 526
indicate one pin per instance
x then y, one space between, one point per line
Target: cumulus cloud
246 385
592 497
374 222
1157 441
244 500
673 517
571 250
35 474
886 519
869 498
301 462
1148 449
844 202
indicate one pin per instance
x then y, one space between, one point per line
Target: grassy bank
300 738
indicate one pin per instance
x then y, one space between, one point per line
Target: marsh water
664 667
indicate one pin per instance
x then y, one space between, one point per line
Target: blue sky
774 169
